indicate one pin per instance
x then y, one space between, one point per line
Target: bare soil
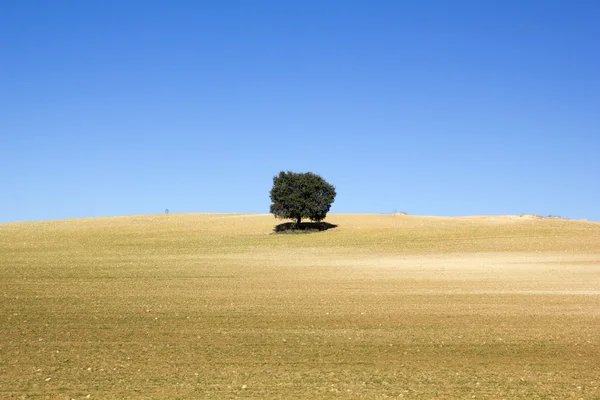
382 306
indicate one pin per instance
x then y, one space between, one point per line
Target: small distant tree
301 195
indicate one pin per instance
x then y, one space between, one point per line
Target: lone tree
301 195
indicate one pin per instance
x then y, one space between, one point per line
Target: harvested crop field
383 306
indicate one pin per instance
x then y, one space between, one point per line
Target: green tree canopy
301 195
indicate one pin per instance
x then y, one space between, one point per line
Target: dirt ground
186 306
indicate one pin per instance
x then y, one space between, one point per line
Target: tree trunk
298 221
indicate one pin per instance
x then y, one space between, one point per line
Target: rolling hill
217 306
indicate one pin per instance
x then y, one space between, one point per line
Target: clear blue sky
429 107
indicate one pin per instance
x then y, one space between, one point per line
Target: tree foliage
301 195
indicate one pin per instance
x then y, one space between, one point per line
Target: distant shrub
533 216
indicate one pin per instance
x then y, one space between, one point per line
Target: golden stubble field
383 306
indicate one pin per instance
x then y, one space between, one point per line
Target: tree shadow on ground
303 227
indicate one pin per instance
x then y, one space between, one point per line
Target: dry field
383 306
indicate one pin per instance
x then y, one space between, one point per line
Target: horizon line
396 214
